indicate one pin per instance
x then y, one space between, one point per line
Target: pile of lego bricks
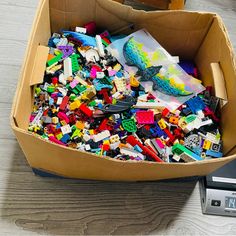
87 101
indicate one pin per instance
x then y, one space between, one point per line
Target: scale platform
218 191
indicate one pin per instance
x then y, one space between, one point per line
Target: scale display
218 191
230 202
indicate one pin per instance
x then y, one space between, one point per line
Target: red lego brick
104 125
86 110
104 93
106 147
64 103
165 112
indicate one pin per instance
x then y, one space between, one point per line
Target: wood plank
10 75
15 26
5 129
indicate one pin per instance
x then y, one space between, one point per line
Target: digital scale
218 191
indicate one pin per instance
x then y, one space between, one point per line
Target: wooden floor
31 205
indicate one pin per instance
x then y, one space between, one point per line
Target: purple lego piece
66 50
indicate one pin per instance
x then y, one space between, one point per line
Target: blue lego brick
196 104
214 154
65 138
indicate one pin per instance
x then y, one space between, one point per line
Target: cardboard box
191 35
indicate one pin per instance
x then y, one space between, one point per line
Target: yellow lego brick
59 136
74 105
106 142
206 145
36 128
63 123
91 131
117 67
55 120
162 124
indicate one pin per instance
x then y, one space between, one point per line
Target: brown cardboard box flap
39 65
219 83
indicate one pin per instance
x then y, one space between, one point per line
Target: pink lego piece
73 83
63 116
112 72
31 118
54 95
159 143
145 117
94 70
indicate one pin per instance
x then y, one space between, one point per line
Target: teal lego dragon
135 56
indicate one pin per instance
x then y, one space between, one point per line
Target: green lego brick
81 88
55 59
74 62
50 89
129 125
72 97
190 118
92 103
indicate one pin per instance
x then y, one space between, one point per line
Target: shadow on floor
68 207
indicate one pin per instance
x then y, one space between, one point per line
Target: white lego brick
148 105
80 30
66 129
86 137
148 142
104 134
130 152
100 74
67 67
59 100
114 146
100 45
91 55
87 147
199 123
87 125
176 157
62 79
114 138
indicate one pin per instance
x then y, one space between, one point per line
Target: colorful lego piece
145 117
